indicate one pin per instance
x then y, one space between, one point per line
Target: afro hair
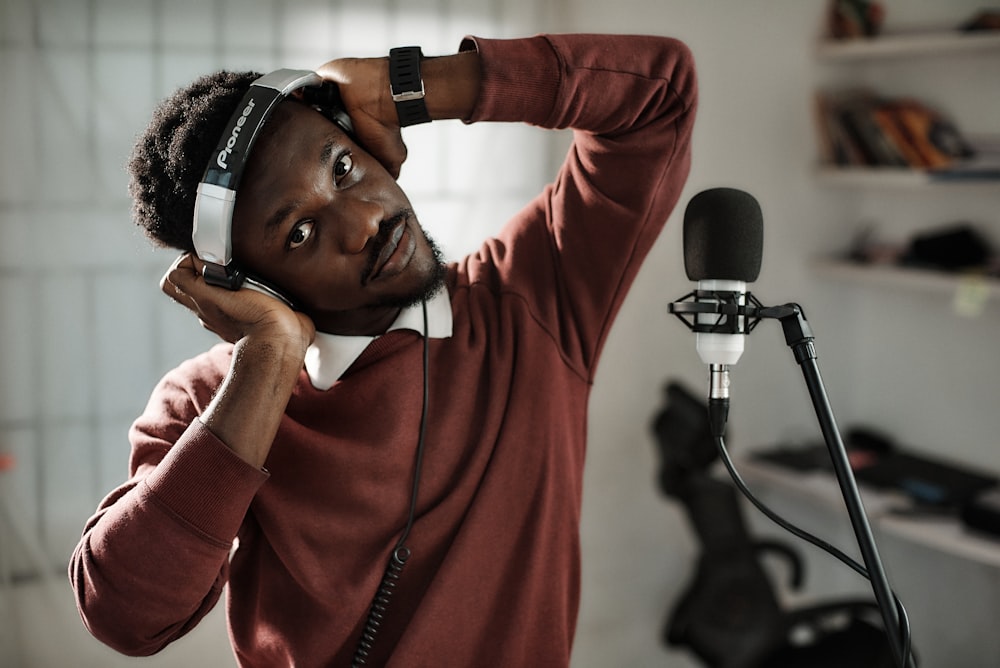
169 158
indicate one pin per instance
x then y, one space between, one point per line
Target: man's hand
234 315
452 89
364 89
270 346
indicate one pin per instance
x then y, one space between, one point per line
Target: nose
359 222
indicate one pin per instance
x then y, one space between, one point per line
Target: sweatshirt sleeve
154 558
574 251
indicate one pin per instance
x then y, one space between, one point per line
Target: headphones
215 202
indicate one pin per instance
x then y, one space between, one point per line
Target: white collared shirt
330 355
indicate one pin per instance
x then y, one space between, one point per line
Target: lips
394 251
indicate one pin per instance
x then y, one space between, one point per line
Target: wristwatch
406 85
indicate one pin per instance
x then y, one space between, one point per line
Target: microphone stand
739 317
799 337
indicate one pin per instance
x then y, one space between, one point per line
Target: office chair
729 615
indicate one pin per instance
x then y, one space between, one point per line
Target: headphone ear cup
326 94
340 118
326 98
232 277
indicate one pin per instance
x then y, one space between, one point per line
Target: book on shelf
983 165
858 128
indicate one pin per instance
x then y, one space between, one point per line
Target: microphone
723 244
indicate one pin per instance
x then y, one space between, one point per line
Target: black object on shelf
926 481
982 512
929 482
952 249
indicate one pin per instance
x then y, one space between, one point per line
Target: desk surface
886 511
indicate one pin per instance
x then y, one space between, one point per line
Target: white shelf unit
898 177
886 47
947 535
908 44
974 286
944 534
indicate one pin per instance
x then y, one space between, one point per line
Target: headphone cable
400 553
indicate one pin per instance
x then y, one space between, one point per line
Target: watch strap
407 86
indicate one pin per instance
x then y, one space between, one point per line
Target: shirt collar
330 355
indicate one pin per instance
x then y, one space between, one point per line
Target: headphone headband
216 196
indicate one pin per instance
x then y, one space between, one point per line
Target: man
296 460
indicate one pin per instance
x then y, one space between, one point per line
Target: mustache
381 238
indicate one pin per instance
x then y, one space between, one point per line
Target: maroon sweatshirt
494 576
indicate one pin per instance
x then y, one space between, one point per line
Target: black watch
406 85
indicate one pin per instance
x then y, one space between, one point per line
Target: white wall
70 271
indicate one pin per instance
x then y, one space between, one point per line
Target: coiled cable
379 606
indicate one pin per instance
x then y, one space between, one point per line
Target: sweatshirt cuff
205 484
519 79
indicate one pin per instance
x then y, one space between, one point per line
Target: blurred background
85 332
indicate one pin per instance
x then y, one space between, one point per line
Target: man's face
320 218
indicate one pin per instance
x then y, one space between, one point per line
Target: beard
432 284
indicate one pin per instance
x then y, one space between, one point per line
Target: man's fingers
181 280
184 271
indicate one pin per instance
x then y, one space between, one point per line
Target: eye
300 234
342 167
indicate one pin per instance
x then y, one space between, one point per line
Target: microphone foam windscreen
723 236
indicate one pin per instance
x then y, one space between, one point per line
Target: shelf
970 289
893 45
898 177
946 535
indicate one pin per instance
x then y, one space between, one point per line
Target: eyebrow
274 222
